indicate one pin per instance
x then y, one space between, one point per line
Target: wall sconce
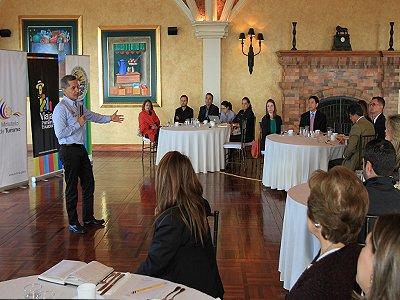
250 55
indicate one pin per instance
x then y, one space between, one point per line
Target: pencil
149 288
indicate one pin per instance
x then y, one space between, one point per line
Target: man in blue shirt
69 118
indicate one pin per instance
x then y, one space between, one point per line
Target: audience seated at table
313 118
244 115
181 250
270 123
184 112
337 206
393 135
376 106
379 160
378 266
364 106
226 115
360 127
149 124
209 109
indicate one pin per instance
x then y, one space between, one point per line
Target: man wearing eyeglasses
376 106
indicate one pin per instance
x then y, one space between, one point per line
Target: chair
147 144
362 142
239 146
215 215
367 227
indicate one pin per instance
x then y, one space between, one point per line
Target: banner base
48 175
22 184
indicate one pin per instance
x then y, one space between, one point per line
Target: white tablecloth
203 146
298 246
14 289
290 160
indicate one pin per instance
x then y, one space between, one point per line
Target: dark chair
362 142
215 216
367 227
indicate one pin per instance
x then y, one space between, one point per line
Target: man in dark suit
376 106
184 112
378 165
313 118
209 109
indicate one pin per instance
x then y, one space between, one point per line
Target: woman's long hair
385 239
177 185
394 123
144 104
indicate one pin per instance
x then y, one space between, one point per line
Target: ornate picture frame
129 65
61 35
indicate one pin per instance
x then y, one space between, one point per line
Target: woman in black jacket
270 123
244 115
181 250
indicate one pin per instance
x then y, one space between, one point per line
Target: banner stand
22 184
58 173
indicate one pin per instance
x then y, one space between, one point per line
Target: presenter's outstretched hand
117 118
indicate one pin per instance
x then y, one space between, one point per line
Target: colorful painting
51 35
130 64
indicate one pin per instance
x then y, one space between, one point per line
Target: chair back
366 228
215 216
362 142
243 131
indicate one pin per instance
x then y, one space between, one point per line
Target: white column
212 33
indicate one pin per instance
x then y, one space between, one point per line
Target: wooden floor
34 236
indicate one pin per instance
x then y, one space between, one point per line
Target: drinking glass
301 130
282 129
33 291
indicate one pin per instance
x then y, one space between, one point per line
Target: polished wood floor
34 236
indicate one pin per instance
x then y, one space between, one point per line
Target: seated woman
392 134
270 123
149 124
181 250
337 206
378 266
244 115
226 115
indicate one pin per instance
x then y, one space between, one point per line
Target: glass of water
33 291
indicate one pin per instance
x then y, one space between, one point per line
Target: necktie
312 121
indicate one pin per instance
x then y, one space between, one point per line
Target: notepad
76 272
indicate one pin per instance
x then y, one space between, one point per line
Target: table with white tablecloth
14 289
203 145
298 245
290 160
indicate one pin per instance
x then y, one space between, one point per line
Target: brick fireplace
355 74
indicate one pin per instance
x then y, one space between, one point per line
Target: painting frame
139 75
68 26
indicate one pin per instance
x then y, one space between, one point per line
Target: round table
203 145
14 289
298 245
290 160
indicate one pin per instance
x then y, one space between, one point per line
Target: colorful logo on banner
45 106
6 111
83 81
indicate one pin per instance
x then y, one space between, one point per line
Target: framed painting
61 35
129 65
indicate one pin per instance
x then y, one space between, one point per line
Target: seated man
209 109
313 118
361 127
376 107
378 165
184 112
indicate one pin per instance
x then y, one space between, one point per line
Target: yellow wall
181 56
367 21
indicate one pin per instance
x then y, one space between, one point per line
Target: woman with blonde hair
337 206
181 250
378 269
392 134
